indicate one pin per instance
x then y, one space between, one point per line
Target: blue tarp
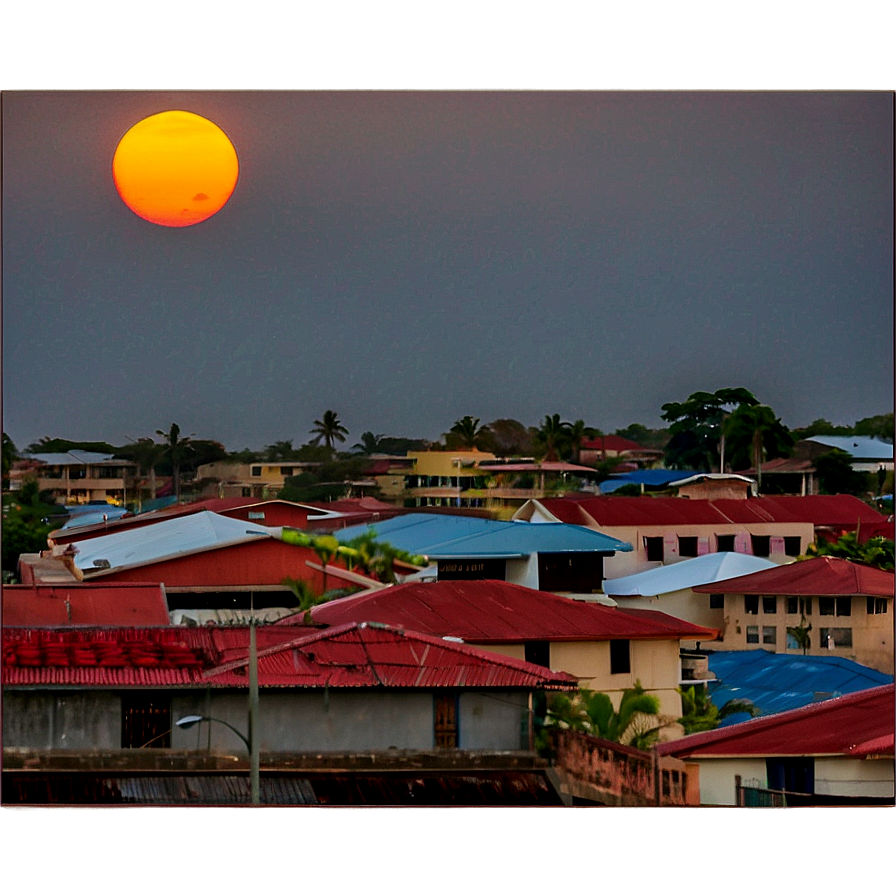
775 682
647 478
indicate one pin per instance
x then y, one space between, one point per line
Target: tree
820 427
696 438
509 438
752 432
282 450
552 437
836 475
879 427
577 434
466 433
369 444
800 634
876 551
306 596
146 453
329 429
10 454
635 723
177 449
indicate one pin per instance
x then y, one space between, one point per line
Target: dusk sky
405 258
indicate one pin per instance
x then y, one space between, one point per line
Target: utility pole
254 732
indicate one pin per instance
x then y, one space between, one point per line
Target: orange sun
175 168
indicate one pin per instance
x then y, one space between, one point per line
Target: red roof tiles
500 612
823 576
859 724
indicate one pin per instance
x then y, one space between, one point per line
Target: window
247 492
539 653
876 605
761 545
826 606
831 638
286 471
687 546
716 601
620 657
751 604
769 635
654 548
724 542
579 573
792 606
145 720
835 606
769 604
792 545
752 634
798 606
844 606
795 774
255 471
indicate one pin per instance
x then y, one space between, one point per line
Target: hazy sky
405 258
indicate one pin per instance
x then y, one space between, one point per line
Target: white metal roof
166 539
687 573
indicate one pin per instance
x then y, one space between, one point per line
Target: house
79 477
777 682
559 557
668 530
868 454
836 752
260 479
347 689
671 588
645 480
204 560
31 606
602 448
605 648
849 606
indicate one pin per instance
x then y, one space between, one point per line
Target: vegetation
876 551
801 634
699 713
177 449
836 475
751 434
467 434
329 430
28 518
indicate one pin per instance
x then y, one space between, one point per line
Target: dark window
654 548
752 634
445 721
793 606
472 569
761 545
876 605
579 573
795 774
247 492
769 604
724 542
792 545
716 601
806 605
539 653
255 471
751 604
769 634
620 657
826 606
687 546
286 471
145 720
839 637
844 606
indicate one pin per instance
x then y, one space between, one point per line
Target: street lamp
189 721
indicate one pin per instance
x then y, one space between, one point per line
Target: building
559 558
849 606
260 479
604 648
671 588
79 477
868 454
34 606
668 530
836 752
603 448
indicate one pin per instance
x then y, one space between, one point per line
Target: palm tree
369 443
329 429
282 450
10 453
578 434
465 433
177 448
754 431
552 436
146 453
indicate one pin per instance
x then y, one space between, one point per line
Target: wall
684 604
493 720
872 635
842 776
41 720
717 786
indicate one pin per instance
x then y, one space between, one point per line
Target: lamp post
189 721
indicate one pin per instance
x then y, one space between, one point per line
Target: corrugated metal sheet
861 447
168 538
85 604
609 511
777 682
832 727
827 576
487 610
366 655
449 536
710 568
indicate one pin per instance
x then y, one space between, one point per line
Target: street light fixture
189 721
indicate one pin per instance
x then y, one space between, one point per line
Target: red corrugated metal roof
85 604
824 576
369 654
612 443
857 724
609 510
493 611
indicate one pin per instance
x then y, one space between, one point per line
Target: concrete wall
523 571
684 604
54 720
717 785
493 720
841 776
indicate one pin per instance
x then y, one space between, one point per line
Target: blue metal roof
445 536
652 478
775 682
